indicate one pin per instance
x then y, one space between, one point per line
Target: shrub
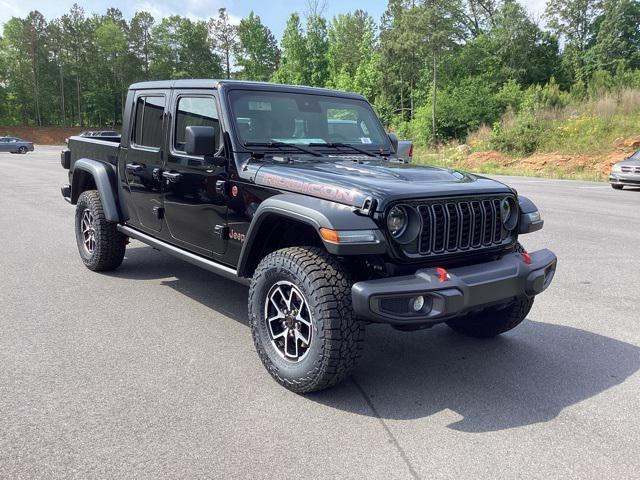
521 136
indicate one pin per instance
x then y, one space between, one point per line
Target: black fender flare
527 224
316 213
106 182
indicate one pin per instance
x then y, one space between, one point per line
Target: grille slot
630 169
451 226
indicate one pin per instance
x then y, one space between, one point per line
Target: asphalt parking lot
150 371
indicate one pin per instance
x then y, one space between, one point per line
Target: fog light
417 303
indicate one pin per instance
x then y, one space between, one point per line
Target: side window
192 112
147 130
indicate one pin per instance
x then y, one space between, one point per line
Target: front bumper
624 179
465 289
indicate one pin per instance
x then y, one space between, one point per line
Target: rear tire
617 187
301 319
22 150
100 244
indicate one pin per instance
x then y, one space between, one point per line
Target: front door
195 209
143 161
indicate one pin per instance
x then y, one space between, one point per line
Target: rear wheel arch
94 175
82 181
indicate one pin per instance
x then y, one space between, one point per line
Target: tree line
434 69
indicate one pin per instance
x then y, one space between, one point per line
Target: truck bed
94 149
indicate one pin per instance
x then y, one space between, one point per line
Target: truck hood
350 182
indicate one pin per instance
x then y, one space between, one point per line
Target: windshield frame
384 148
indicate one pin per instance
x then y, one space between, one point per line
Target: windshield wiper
344 145
282 145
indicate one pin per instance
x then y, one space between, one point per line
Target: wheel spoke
299 336
288 320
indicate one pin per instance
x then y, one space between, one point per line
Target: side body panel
195 209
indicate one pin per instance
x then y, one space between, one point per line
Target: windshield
635 156
305 119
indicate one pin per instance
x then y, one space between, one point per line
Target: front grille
630 169
457 225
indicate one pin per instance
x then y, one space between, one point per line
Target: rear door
194 200
144 158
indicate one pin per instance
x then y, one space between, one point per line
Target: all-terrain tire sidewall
336 336
110 244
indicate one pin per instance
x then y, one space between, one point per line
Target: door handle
173 177
135 167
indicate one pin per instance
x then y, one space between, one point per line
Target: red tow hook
443 276
526 257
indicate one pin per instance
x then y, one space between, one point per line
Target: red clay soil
41 135
599 164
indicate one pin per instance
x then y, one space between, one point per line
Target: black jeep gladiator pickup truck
268 185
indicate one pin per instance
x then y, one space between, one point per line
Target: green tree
181 49
618 40
293 68
317 49
351 41
574 23
140 40
257 53
76 34
27 63
225 37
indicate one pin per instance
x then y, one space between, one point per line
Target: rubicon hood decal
320 190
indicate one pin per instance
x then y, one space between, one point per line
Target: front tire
301 319
100 244
617 187
22 150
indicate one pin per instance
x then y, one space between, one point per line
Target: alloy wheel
289 321
87 225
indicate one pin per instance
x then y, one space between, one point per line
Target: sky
274 13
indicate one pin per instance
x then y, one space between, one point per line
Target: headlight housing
509 213
616 168
397 221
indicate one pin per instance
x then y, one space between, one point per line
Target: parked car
626 172
15 145
331 231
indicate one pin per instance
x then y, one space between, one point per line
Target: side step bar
182 254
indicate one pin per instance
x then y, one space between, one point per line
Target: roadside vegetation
474 83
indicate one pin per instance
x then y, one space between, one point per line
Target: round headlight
508 213
397 221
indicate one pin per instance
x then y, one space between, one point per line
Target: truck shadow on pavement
525 377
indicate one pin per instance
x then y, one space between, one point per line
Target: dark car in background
15 145
626 172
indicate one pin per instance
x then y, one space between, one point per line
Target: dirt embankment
600 164
41 135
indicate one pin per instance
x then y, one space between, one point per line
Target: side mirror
200 141
393 138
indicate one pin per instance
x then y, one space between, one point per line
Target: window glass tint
148 121
304 119
195 112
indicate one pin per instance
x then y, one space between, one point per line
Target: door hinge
158 212
222 231
221 187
